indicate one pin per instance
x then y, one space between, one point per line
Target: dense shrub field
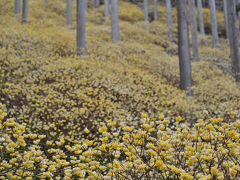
117 112
208 150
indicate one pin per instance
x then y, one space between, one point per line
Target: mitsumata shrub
118 112
208 150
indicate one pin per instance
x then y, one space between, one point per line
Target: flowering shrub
101 116
208 150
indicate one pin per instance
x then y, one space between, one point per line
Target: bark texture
183 48
81 49
106 8
155 10
225 17
115 24
238 14
94 3
86 5
169 19
25 12
200 17
214 24
69 13
233 39
17 7
194 30
146 11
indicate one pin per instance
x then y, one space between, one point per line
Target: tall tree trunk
115 25
94 3
69 14
183 48
17 8
97 3
194 30
86 5
225 17
214 24
169 19
155 10
238 15
146 11
106 8
25 12
233 38
200 17
81 49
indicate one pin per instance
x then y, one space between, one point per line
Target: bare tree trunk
183 48
169 19
225 17
214 24
218 5
155 10
97 3
233 38
146 11
17 8
94 3
115 25
194 30
238 15
86 5
200 17
81 49
69 14
106 8
25 12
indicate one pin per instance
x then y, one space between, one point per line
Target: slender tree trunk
86 5
200 17
146 11
106 8
81 49
25 12
214 24
115 25
218 5
183 48
69 14
194 30
169 19
225 17
97 3
17 8
238 15
94 3
233 38
155 10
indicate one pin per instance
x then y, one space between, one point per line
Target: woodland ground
45 85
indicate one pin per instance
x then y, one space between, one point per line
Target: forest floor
142 70
44 84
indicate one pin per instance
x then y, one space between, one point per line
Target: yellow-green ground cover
118 111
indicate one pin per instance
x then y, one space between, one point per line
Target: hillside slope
114 91
43 79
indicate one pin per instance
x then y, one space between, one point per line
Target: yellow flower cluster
44 84
101 116
208 149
